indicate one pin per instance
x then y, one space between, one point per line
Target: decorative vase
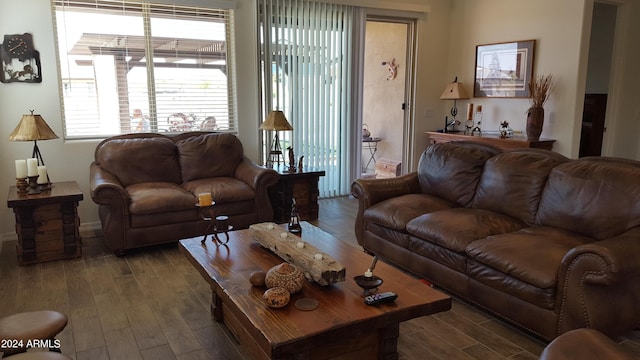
286 276
535 120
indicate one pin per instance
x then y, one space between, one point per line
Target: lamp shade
31 128
276 121
454 91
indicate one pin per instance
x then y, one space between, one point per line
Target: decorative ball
285 275
276 297
257 278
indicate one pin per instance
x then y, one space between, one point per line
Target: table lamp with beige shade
454 91
276 121
33 128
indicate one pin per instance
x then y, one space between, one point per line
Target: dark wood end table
47 224
301 185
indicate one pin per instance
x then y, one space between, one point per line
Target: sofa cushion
140 160
395 212
452 170
532 254
512 182
159 197
209 155
222 189
455 228
596 197
449 258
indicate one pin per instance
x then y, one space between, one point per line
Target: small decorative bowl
369 284
285 275
276 297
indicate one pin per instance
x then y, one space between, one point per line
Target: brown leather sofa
146 186
544 242
584 344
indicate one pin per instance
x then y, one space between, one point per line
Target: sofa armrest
105 186
372 191
260 179
597 285
585 344
113 200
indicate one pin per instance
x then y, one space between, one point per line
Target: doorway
387 70
603 27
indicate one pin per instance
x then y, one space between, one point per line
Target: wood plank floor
153 304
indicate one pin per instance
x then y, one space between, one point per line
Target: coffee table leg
216 306
388 342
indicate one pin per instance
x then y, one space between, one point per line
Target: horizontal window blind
136 66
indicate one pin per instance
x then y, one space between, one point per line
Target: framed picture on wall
503 70
20 61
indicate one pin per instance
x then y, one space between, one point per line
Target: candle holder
21 184
45 187
369 282
217 226
33 185
221 227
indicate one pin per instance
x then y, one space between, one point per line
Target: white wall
69 160
557 28
623 112
447 34
562 33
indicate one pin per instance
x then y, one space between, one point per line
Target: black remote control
384 297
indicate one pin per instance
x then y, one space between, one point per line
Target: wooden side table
303 186
515 142
47 223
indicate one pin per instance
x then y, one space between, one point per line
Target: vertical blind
135 66
306 56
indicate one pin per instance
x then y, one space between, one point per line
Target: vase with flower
540 87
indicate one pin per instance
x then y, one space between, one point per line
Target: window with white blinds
306 56
136 66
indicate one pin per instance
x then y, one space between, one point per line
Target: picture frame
20 61
503 70
15 70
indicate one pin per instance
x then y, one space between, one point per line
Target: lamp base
38 155
274 157
275 153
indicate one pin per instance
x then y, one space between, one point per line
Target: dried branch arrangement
540 87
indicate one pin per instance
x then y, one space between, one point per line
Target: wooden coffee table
342 327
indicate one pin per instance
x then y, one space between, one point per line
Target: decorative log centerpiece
316 265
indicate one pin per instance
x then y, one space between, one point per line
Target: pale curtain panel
306 57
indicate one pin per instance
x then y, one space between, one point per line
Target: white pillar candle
32 167
42 175
318 256
300 245
21 169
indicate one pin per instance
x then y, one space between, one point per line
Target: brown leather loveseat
146 186
547 243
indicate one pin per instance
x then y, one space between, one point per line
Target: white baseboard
8 237
92 229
